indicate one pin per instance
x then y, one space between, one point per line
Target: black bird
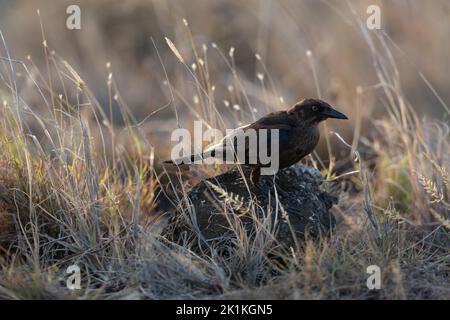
298 135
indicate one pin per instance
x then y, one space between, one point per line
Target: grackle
298 135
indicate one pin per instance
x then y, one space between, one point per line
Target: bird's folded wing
228 143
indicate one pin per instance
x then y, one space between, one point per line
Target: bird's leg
280 190
258 182
274 184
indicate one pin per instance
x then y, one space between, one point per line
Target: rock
217 205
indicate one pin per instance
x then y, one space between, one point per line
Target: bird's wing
228 145
224 143
275 120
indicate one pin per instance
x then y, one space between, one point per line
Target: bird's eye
315 108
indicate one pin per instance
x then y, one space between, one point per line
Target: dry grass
78 188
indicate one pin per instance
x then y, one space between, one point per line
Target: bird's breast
302 143
308 137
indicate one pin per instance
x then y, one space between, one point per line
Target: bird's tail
185 160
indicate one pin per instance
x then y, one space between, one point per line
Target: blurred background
250 57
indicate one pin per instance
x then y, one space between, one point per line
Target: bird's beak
332 113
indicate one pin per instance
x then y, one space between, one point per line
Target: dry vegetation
79 166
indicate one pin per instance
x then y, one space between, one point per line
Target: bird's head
314 111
